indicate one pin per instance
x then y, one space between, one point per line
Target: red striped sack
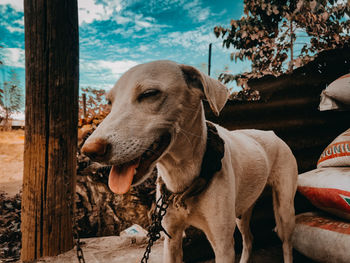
328 189
322 238
337 152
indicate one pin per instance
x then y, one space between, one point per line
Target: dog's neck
182 163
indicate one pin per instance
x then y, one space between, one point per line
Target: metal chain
153 230
156 227
72 207
80 254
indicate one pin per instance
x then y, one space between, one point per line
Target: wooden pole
84 106
209 59
51 59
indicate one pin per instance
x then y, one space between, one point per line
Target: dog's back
257 158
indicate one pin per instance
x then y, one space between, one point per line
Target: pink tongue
120 178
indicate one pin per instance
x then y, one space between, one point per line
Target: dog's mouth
121 177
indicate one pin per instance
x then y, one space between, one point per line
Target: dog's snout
96 148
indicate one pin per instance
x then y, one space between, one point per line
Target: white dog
157 118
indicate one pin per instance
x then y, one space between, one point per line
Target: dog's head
148 104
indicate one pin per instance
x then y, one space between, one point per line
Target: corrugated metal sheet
289 106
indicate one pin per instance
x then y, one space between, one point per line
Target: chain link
153 230
80 254
72 207
156 227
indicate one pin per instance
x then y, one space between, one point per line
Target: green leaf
262 35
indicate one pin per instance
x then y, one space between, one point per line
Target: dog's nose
95 148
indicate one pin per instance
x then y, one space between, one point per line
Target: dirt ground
124 249
11 160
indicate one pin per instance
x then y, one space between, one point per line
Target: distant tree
11 100
95 103
268 32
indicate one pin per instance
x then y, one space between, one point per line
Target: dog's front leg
172 252
220 235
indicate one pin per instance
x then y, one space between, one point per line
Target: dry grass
11 156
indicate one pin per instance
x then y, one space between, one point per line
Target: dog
157 119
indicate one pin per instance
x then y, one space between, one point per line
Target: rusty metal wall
289 106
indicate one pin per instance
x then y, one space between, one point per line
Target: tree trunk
84 106
52 57
7 124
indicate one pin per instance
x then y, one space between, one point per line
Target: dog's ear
215 92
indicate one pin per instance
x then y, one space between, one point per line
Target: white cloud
7 23
196 11
197 39
157 7
140 22
203 15
136 23
125 32
19 22
15 29
143 48
115 67
143 24
13 57
138 19
89 11
123 50
15 4
122 19
103 73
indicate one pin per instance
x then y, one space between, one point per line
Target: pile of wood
10 228
99 211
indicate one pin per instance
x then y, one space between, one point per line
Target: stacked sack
326 237
337 95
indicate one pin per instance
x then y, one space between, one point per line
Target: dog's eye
148 93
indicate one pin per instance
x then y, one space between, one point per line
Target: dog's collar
211 163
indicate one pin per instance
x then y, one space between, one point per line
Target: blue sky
116 35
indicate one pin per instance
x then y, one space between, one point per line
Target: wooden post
52 57
209 59
84 106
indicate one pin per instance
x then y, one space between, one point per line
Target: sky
117 35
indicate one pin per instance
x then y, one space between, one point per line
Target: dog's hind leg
283 192
283 181
243 226
285 221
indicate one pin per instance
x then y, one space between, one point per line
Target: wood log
52 75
